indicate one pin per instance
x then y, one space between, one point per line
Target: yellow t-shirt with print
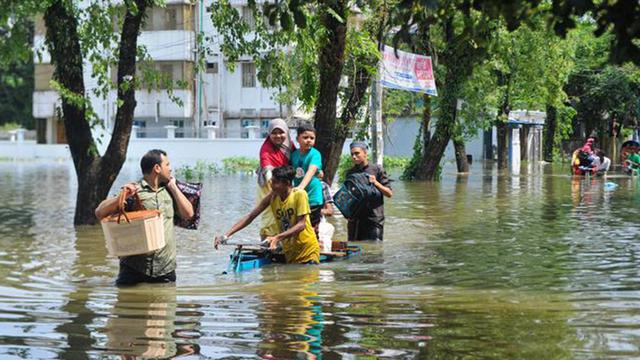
304 247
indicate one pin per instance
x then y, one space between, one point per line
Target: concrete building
216 102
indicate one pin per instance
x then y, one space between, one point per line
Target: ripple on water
481 266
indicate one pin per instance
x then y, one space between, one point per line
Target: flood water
535 266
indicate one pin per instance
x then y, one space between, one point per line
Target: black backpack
355 194
584 158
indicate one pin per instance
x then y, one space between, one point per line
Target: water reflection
291 321
141 322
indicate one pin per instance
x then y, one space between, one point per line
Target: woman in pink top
275 152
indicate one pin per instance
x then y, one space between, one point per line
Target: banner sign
408 71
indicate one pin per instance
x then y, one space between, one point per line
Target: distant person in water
633 161
601 162
369 224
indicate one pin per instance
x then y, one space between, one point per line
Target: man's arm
246 220
292 231
385 190
110 205
185 209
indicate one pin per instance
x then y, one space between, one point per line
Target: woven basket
141 232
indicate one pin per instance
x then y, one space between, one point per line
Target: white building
216 102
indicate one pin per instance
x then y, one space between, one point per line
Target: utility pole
377 136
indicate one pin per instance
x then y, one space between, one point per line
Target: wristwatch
224 239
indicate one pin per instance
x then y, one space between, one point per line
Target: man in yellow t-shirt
291 209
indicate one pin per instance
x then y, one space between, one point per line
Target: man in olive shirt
156 190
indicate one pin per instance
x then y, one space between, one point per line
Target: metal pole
377 138
199 79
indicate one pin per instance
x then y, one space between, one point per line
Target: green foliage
617 18
240 164
231 165
9 126
390 163
199 171
16 86
412 168
345 164
600 92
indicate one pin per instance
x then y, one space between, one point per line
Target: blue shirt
301 164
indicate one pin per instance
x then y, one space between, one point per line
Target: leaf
335 15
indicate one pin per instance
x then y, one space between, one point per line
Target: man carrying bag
156 190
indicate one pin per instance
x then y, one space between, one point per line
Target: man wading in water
369 224
156 190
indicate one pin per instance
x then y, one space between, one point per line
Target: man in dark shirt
369 224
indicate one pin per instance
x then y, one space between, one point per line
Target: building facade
216 101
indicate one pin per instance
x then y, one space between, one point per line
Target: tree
459 36
481 32
620 18
75 34
303 47
531 66
16 71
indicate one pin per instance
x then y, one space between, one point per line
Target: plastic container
325 234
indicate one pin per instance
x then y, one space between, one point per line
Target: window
171 18
244 133
142 125
166 74
248 75
166 71
180 128
247 17
264 128
212 68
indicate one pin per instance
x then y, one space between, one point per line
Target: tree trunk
460 56
524 143
502 137
330 62
426 122
95 174
356 97
501 123
461 155
354 104
429 169
550 133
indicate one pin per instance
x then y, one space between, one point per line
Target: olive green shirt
162 261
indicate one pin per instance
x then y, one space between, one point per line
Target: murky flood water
536 266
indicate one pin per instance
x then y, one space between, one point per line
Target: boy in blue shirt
307 162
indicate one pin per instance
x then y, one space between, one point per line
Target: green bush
199 171
238 164
390 163
9 126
